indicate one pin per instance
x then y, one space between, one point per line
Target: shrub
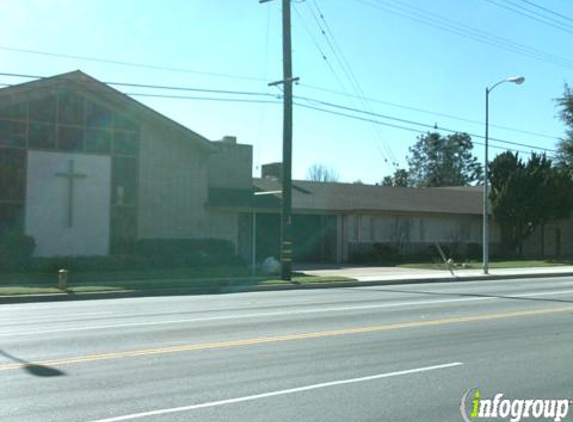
16 250
434 252
366 253
88 263
15 254
386 253
473 251
187 252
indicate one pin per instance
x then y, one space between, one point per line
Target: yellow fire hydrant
63 279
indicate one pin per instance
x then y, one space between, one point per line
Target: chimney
229 140
272 171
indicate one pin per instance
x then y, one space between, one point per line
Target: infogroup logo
474 407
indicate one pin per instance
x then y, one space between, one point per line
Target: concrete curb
60 297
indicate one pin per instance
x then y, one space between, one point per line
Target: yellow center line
287 337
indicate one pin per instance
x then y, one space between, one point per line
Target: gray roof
347 197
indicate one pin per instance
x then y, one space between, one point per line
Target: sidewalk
362 276
405 275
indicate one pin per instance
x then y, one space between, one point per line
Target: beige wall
410 228
414 228
231 166
224 225
173 180
558 240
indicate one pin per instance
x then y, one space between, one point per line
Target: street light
518 80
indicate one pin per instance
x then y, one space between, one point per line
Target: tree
388 181
436 160
525 196
399 179
321 173
565 145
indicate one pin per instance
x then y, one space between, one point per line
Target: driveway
370 273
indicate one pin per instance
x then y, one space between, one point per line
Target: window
12 133
366 227
12 172
465 231
13 112
97 116
98 140
70 138
125 143
122 123
43 109
353 228
42 136
71 108
124 228
11 218
124 181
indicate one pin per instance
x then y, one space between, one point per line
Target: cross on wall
71 177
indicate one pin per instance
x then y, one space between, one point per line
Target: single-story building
87 170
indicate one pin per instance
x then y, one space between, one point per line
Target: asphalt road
399 353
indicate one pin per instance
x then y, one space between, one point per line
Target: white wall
47 199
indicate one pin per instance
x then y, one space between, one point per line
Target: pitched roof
107 94
346 197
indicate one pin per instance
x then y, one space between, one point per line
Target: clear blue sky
415 60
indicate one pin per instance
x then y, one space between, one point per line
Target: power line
164 87
513 7
266 94
548 10
319 48
425 125
188 97
346 68
350 116
327 61
433 113
436 21
130 64
371 114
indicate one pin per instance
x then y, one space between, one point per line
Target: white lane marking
560 292
230 317
291 312
275 393
50 318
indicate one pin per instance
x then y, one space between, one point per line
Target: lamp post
518 80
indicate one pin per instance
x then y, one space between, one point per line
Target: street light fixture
518 80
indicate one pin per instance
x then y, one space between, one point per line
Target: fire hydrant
63 279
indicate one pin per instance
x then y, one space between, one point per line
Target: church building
87 170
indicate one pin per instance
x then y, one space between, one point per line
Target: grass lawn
495 264
198 281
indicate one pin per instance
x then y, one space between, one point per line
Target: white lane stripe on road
51 318
290 312
275 393
245 316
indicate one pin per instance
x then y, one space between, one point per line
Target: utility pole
288 80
